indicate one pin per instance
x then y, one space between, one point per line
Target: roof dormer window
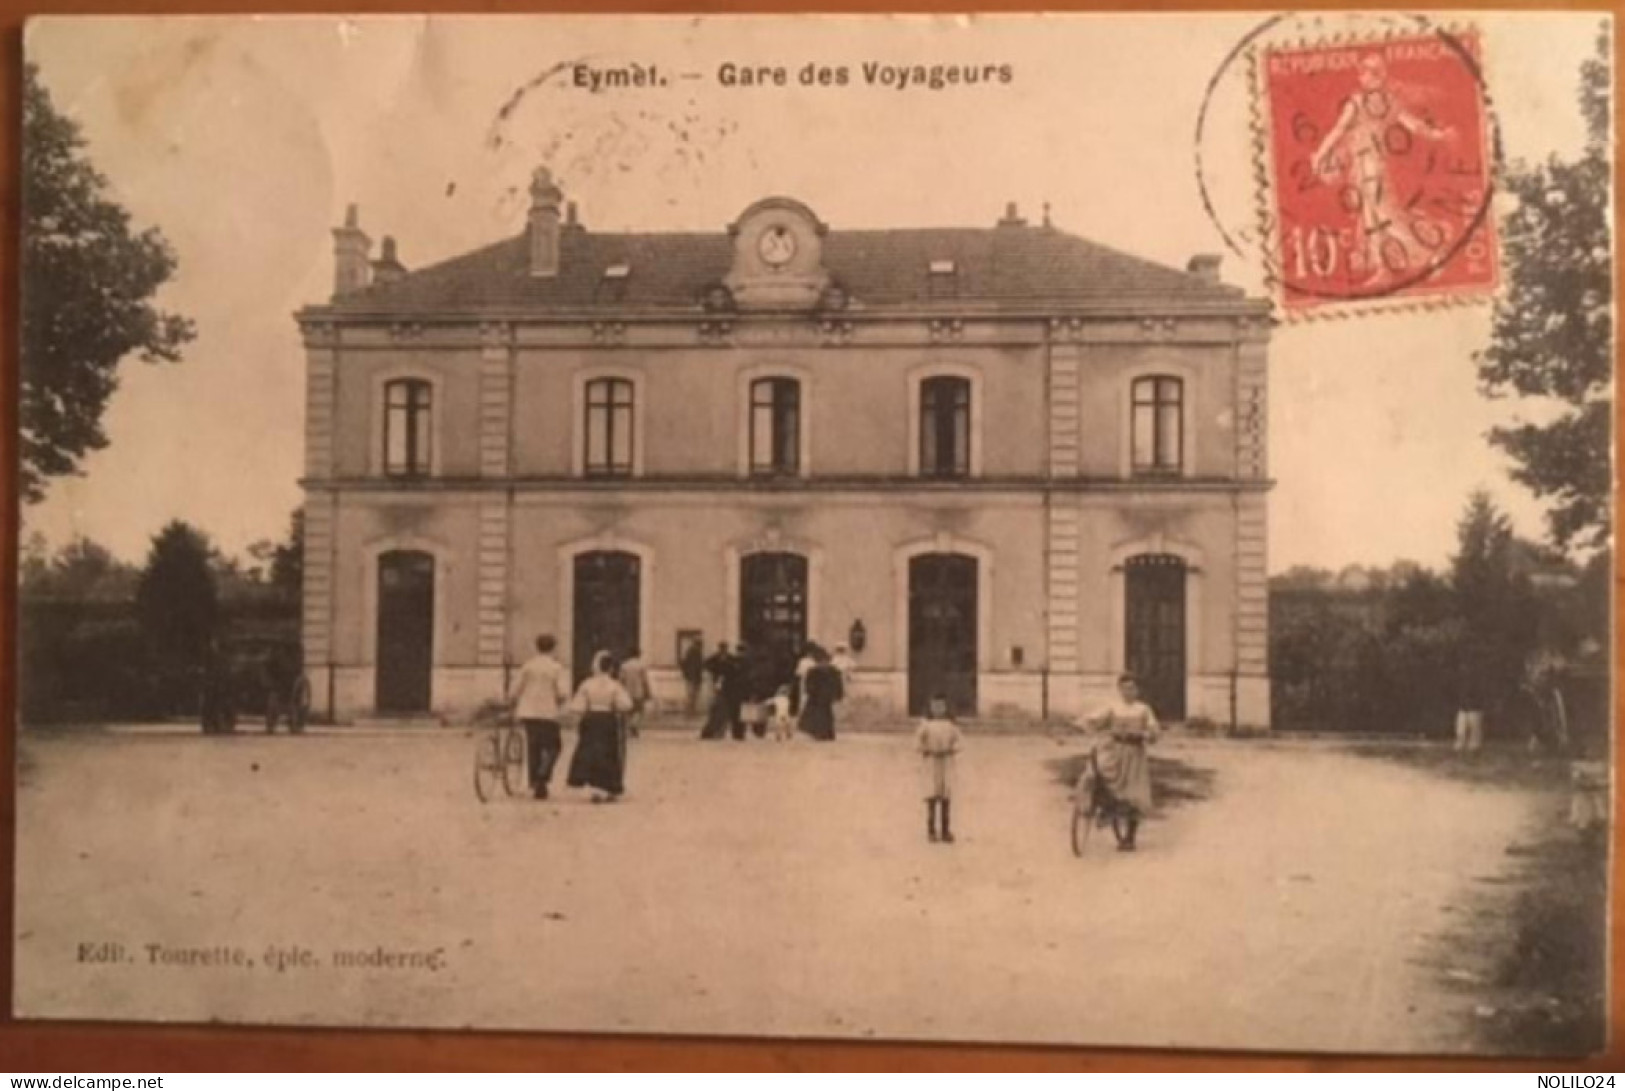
943 279
612 284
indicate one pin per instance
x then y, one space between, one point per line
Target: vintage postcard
1087 529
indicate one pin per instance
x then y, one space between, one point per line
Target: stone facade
1046 340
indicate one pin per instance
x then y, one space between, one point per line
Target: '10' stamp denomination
1376 164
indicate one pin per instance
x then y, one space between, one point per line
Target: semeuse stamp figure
1376 166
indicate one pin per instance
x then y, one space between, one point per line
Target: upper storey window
608 428
408 432
945 426
1157 425
775 427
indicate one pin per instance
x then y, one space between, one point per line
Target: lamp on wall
857 637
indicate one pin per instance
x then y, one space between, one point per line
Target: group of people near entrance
756 692
748 695
610 701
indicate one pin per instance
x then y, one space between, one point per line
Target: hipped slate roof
1010 264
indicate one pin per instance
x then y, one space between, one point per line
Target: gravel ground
756 888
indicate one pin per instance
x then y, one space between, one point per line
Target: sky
244 138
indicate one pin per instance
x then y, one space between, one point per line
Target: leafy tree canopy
1552 336
176 601
87 285
82 570
288 561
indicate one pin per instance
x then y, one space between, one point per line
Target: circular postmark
1371 150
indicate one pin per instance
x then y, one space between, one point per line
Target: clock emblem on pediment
777 257
777 245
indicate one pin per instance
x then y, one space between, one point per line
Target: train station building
1004 462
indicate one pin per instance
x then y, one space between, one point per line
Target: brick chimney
1205 266
545 200
387 268
1012 218
351 272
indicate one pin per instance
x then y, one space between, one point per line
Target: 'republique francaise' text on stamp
1375 160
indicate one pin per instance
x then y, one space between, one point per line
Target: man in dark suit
720 666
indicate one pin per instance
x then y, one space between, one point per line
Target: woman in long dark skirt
600 758
823 688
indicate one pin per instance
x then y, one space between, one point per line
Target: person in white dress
808 660
938 739
1120 761
780 717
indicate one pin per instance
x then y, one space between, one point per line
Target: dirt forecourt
746 888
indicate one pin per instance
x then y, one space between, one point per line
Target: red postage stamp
1376 163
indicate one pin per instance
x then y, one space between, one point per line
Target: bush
84 663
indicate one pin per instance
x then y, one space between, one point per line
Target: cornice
712 483
324 329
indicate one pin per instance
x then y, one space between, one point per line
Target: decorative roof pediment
778 257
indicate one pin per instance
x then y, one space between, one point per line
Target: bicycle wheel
487 767
1083 821
515 772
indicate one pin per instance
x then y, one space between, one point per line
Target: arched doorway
773 610
405 631
942 623
605 607
1155 631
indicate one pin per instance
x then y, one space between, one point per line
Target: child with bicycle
1119 765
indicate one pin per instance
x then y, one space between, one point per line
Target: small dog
778 710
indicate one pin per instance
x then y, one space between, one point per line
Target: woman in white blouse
600 758
1123 765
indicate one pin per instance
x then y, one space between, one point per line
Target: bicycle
1096 805
500 758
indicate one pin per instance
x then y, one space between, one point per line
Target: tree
283 563
1496 604
1484 551
81 571
279 566
87 287
33 564
1552 332
176 604
1302 577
